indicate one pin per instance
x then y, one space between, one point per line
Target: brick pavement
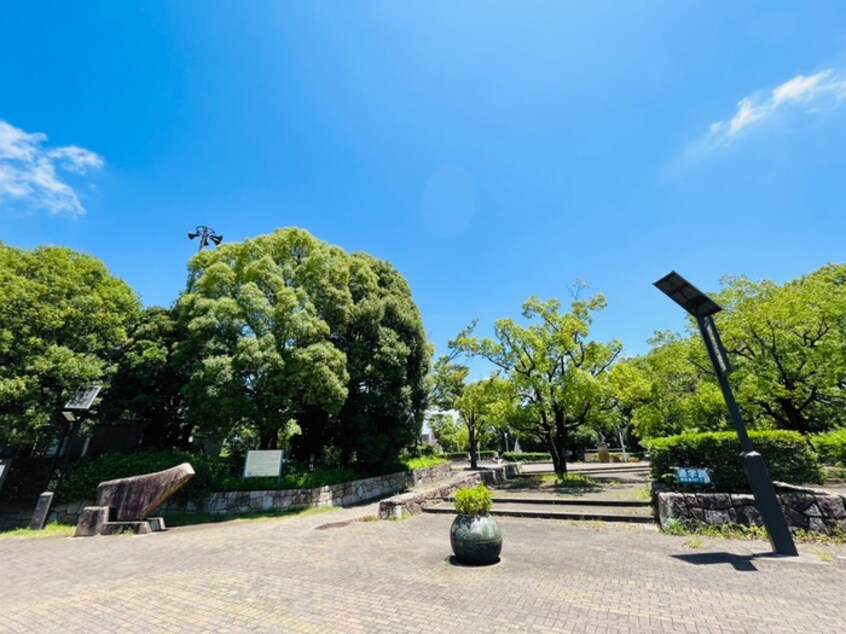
283 575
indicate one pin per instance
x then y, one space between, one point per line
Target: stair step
553 515
566 502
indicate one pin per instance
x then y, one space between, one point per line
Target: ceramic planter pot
476 539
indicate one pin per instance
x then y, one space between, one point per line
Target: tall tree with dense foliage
482 406
63 320
555 368
788 345
288 334
669 390
147 386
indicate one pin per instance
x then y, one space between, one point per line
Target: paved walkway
318 573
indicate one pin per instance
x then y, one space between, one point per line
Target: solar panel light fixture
702 308
206 235
83 398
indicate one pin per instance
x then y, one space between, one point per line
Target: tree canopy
557 371
63 321
147 385
288 335
787 345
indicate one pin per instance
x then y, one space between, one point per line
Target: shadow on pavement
740 562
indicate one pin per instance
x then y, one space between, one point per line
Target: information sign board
263 463
691 475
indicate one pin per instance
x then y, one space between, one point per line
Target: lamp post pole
702 308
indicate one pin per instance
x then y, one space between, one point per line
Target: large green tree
556 369
147 386
63 321
668 390
483 406
788 345
286 333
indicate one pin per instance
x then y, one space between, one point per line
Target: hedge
83 476
510 456
211 474
831 446
457 455
788 456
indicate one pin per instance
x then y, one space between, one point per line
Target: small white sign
263 463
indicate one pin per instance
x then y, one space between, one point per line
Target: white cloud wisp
806 94
30 172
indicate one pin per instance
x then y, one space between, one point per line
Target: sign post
702 307
263 463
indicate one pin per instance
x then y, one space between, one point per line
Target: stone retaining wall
230 502
414 501
805 508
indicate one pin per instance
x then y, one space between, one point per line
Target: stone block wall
231 502
804 508
414 501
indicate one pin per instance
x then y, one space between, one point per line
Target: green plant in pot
475 536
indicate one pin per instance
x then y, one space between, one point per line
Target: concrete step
558 512
566 501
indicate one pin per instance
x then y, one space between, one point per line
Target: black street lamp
73 411
702 307
206 235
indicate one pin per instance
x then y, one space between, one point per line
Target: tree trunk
795 418
471 432
268 440
559 444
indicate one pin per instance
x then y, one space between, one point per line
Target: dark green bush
293 477
221 474
83 476
485 454
831 446
510 456
788 456
457 455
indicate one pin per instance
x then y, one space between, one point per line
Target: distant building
427 436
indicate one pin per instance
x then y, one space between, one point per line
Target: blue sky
489 150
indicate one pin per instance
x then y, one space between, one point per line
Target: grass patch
643 493
826 557
835 474
53 529
738 531
569 481
190 519
423 461
693 542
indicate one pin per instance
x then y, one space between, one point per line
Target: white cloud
30 172
804 94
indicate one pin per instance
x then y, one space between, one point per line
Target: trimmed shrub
485 454
83 476
788 456
457 455
831 446
510 456
475 501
